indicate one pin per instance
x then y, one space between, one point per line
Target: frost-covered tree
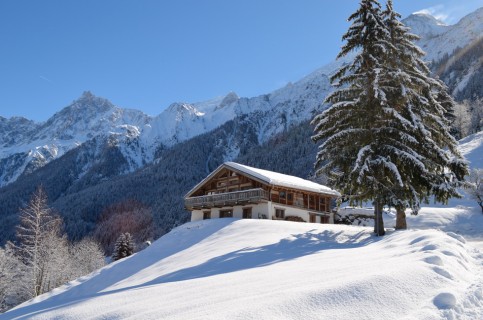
6 278
386 137
43 258
85 257
462 121
124 246
13 289
476 186
476 111
53 263
37 232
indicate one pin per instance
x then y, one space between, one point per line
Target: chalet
239 191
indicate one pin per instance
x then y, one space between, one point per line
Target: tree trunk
378 222
401 218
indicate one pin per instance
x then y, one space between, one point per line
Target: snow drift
262 269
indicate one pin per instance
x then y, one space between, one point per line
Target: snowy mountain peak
230 98
181 109
438 39
88 102
425 25
14 130
422 16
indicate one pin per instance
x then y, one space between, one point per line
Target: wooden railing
229 198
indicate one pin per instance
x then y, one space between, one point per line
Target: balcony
226 199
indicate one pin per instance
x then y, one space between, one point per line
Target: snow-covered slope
261 269
438 39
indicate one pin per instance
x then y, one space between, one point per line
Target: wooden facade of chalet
228 188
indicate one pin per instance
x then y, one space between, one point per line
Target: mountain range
93 154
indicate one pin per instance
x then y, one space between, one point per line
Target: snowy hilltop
26 146
278 270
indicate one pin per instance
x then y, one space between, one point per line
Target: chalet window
311 202
247 213
289 196
299 200
282 194
280 213
206 215
226 213
323 204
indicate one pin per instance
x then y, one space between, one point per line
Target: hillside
261 269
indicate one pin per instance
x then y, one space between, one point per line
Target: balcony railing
225 199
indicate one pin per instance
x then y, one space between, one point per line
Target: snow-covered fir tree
124 246
386 137
423 110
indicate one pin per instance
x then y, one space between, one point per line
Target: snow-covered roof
271 178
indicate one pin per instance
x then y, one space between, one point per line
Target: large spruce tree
386 137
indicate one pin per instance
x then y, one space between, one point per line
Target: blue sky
147 54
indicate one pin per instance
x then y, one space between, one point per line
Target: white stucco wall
267 209
298 212
261 208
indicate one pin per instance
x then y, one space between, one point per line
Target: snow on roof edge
283 180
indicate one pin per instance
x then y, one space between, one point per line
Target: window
226 213
206 215
279 213
282 194
299 200
311 202
247 213
323 204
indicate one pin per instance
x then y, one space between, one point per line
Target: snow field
262 269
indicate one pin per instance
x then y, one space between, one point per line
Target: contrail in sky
44 78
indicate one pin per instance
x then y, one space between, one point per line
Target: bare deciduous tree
36 234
